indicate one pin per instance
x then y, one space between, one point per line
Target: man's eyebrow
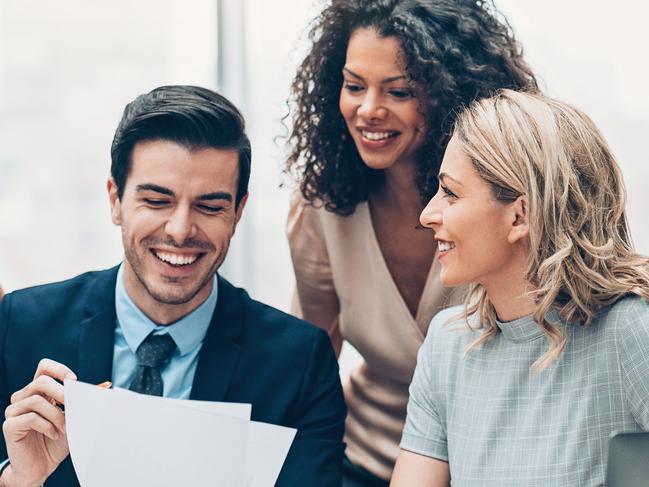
386 80
153 187
442 176
217 195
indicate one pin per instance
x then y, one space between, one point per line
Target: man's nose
180 226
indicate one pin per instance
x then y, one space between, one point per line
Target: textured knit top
498 424
344 286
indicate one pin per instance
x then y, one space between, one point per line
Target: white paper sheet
268 445
119 437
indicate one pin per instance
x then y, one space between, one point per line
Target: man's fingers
54 369
47 382
16 428
39 405
42 386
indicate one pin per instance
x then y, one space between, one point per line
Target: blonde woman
530 213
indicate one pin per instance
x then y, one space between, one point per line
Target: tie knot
155 350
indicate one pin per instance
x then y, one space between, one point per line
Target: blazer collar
222 345
97 337
219 354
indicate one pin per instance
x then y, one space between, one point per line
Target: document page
119 437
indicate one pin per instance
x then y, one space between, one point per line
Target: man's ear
115 203
520 227
240 207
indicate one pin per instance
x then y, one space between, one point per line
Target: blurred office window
68 68
261 43
592 53
66 71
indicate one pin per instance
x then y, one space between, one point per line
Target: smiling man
178 188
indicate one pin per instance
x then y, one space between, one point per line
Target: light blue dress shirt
133 326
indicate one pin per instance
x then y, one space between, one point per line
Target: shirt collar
187 332
525 329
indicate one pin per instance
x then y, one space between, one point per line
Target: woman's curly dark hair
455 50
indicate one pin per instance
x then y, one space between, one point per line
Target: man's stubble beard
136 264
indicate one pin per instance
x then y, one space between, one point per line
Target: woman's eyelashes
398 93
401 94
447 192
352 87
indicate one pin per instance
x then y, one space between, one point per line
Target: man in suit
178 187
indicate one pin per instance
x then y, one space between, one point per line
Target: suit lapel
221 348
97 336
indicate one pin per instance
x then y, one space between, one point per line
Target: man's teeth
176 259
377 135
444 246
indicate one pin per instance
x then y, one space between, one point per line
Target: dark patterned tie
152 354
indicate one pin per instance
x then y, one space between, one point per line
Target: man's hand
34 428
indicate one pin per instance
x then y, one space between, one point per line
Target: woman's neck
399 189
509 293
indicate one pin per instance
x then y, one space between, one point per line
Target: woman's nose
431 214
371 108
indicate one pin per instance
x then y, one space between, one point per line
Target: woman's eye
447 192
352 87
401 94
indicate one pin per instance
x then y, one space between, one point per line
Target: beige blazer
344 286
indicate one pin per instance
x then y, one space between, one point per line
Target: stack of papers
119 437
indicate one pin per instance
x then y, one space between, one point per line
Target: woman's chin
450 279
378 164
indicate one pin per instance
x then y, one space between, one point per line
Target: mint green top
497 424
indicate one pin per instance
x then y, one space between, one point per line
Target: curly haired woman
374 103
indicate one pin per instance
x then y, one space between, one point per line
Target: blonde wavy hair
581 258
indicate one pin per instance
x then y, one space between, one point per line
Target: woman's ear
520 227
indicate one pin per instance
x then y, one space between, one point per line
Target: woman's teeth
445 246
377 135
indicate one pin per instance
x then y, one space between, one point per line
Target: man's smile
177 259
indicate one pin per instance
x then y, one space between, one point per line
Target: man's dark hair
190 116
455 50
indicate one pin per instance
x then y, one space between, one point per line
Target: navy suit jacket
252 353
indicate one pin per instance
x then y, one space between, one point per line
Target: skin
415 470
490 238
490 247
377 99
34 428
177 202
